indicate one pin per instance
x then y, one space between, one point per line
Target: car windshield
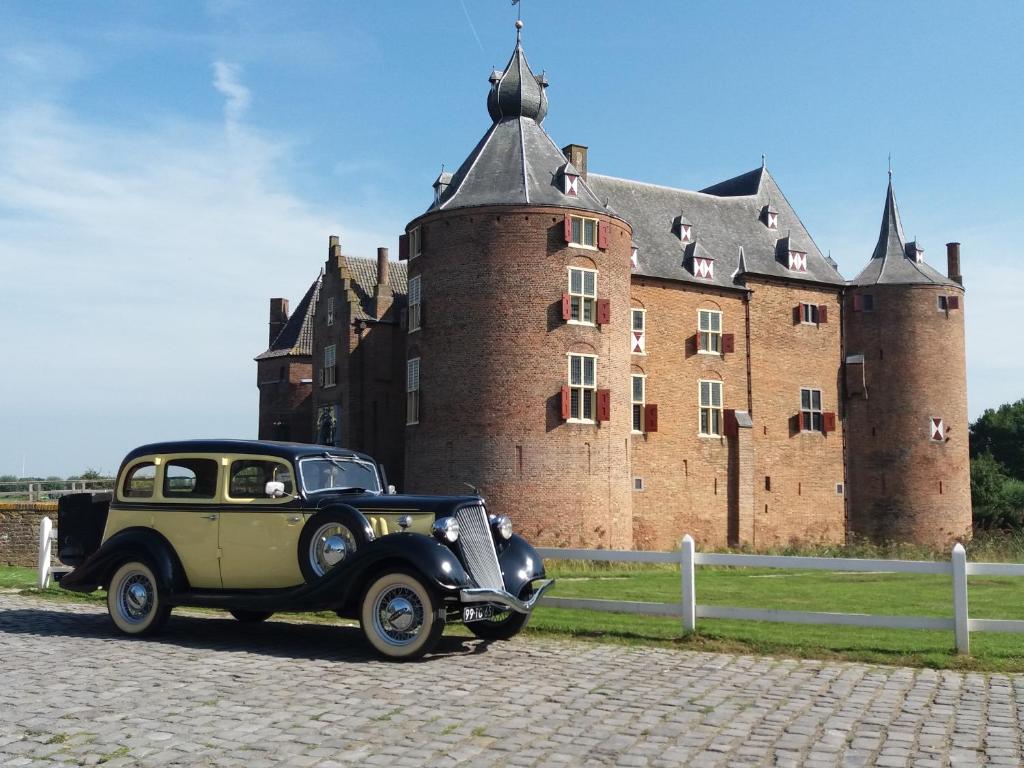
327 472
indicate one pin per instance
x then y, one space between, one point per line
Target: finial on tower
763 158
890 166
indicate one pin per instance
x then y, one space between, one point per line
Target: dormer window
440 185
634 257
572 185
684 229
915 252
770 217
797 261
703 267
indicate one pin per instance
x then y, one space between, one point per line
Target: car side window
139 481
190 479
249 478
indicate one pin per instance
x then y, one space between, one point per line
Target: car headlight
503 525
446 529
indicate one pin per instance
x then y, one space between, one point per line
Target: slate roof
516 162
890 264
296 338
364 281
725 218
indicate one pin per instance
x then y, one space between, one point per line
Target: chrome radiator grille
477 547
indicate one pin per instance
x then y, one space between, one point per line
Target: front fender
128 544
520 564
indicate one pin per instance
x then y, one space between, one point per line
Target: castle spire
891 242
517 92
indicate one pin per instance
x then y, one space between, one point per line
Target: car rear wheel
399 616
328 539
134 601
251 617
504 625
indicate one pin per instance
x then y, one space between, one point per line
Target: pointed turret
517 92
891 242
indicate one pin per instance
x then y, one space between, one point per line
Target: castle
614 363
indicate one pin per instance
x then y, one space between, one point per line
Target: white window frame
638 426
330 310
812 410
582 302
412 391
809 314
582 241
415 299
942 302
715 413
580 392
414 243
634 313
713 338
330 365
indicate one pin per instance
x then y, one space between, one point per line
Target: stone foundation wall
19 530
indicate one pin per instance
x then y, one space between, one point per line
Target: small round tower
517 353
906 394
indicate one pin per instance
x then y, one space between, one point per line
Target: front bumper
501 597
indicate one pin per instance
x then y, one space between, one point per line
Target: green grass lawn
883 593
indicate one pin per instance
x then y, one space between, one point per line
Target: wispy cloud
227 80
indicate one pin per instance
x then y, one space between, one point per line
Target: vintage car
257 527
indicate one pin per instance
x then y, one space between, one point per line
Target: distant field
885 593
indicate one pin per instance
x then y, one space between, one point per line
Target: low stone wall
19 530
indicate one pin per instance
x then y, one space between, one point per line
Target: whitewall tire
134 601
399 616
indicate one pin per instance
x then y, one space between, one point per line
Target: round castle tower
518 356
906 386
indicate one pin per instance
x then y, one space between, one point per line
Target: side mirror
274 489
392 490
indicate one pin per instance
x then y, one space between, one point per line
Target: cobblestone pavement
211 691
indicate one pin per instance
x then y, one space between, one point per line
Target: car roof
291 451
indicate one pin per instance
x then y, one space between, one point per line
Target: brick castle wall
19 530
285 401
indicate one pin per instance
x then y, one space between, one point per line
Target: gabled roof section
725 222
890 264
516 162
364 282
296 338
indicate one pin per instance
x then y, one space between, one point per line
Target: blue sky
165 169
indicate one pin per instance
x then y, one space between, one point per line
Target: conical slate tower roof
516 162
890 261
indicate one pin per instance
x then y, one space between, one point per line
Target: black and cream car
260 527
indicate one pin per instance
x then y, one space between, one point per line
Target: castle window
947 303
709 331
810 411
634 257
584 232
572 185
415 242
811 314
770 217
414 304
330 370
582 295
710 408
330 310
864 302
938 430
412 390
638 396
797 261
582 387
639 339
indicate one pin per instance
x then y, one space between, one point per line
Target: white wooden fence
689 610
46 569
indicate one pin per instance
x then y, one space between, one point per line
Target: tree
1000 433
997 498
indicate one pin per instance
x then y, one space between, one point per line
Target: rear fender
129 544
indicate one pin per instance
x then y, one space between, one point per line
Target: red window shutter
604 404
566 306
604 311
822 313
566 400
828 422
858 303
403 247
567 228
650 418
800 421
728 343
798 314
602 234
732 427
953 302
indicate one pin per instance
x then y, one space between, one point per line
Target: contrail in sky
463 4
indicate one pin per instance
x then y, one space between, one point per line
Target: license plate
477 613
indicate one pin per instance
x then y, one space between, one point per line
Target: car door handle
295 519
209 517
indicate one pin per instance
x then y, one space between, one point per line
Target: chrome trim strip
501 597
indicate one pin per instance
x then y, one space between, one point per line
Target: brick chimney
383 296
953 263
577 155
278 317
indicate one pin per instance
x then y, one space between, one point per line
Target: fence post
688 584
45 543
31 492
963 633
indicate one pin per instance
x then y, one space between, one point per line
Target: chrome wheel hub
135 597
398 615
330 545
334 550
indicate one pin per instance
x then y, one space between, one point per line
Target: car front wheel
399 616
134 602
